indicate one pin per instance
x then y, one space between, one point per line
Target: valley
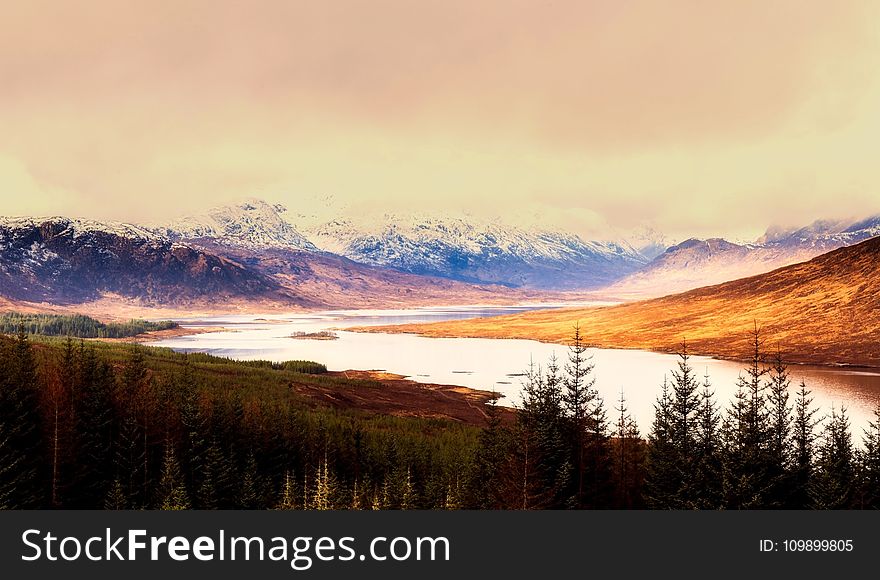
825 311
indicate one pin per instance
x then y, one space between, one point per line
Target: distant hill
826 310
252 224
641 264
696 263
256 256
479 251
337 282
463 248
64 261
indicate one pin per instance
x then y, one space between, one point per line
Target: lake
494 363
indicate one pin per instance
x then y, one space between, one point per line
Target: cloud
687 114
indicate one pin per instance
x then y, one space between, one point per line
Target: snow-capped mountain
80 227
648 241
251 224
480 251
823 235
465 249
695 263
258 251
68 261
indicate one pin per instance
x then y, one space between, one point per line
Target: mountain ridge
64 262
69 261
822 311
696 262
465 249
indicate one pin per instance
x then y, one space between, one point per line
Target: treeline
766 450
77 325
97 425
91 425
298 366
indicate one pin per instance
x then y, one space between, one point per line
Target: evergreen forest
85 424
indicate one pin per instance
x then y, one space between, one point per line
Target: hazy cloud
704 117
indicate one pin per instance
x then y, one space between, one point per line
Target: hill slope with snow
251 224
695 263
457 248
65 261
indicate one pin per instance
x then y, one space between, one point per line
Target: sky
696 118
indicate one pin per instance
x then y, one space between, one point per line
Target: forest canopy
77 325
91 425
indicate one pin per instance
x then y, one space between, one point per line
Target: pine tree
93 423
59 436
213 489
325 490
685 404
870 464
628 458
578 400
747 471
833 482
116 498
598 454
356 500
376 504
779 458
131 446
407 495
248 491
129 458
803 434
21 439
172 490
287 492
704 484
524 475
683 429
61 386
195 425
662 477
489 460
452 501
537 470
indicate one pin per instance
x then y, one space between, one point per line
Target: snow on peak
78 227
648 241
823 233
253 223
391 236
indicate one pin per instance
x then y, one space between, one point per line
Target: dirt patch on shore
391 394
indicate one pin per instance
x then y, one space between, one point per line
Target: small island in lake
320 335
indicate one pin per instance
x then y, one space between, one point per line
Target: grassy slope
824 311
351 391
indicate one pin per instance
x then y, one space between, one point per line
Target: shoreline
420 330
114 309
154 335
109 309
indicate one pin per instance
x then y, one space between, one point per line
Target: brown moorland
824 311
392 394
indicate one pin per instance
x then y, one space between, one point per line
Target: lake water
494 363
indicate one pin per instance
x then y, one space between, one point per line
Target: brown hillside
824 311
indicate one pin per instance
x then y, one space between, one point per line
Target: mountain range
67 262
478 251
257 252
825 311
464 249
703 262
64 261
